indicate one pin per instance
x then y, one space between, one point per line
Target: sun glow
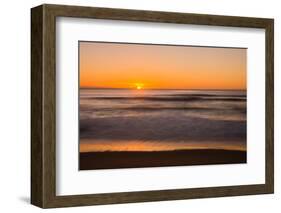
139 86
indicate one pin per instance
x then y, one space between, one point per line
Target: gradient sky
115 65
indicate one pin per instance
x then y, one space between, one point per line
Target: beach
133 159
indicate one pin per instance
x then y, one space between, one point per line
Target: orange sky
115 65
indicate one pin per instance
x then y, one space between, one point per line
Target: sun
139 86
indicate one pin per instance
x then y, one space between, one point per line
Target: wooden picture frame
43 105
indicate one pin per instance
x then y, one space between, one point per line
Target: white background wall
15 105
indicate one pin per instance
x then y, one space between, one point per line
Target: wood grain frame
43 105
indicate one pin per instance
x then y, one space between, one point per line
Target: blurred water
157 117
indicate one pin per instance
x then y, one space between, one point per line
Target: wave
175 98
162 128
163 108
210 95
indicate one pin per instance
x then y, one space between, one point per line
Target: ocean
161 120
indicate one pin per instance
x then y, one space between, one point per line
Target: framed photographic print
137 106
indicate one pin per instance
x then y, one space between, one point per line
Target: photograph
159 105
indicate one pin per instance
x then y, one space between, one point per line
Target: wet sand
139 159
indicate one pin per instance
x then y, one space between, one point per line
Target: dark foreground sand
136 159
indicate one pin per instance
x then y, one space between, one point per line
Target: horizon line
132 88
